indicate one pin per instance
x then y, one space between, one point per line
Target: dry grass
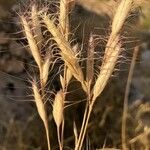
125 109
35 25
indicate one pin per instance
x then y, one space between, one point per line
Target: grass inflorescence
49 39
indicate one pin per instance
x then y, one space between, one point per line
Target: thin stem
62 132
82 127
85 126
47 135
59 141
85 120
125 107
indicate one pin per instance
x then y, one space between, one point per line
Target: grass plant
40 23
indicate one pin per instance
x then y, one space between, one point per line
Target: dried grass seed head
58 108
32 43
45 69
113 47
106 71
63 16
67 52
39 102
121 15
37 26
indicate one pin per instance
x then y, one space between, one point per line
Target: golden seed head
58 108
45 69
39 103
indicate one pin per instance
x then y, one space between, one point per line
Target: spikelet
68 76
63 18
106 69
73 66
121 15
41 110
58 36
90 60
64 82
58 108
32 43
45 70
39 103
37 26
113 47
67 53
68 72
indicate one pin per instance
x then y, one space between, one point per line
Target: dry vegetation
73 115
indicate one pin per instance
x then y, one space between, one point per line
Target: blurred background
20 126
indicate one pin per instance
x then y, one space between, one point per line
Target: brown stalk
125 108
